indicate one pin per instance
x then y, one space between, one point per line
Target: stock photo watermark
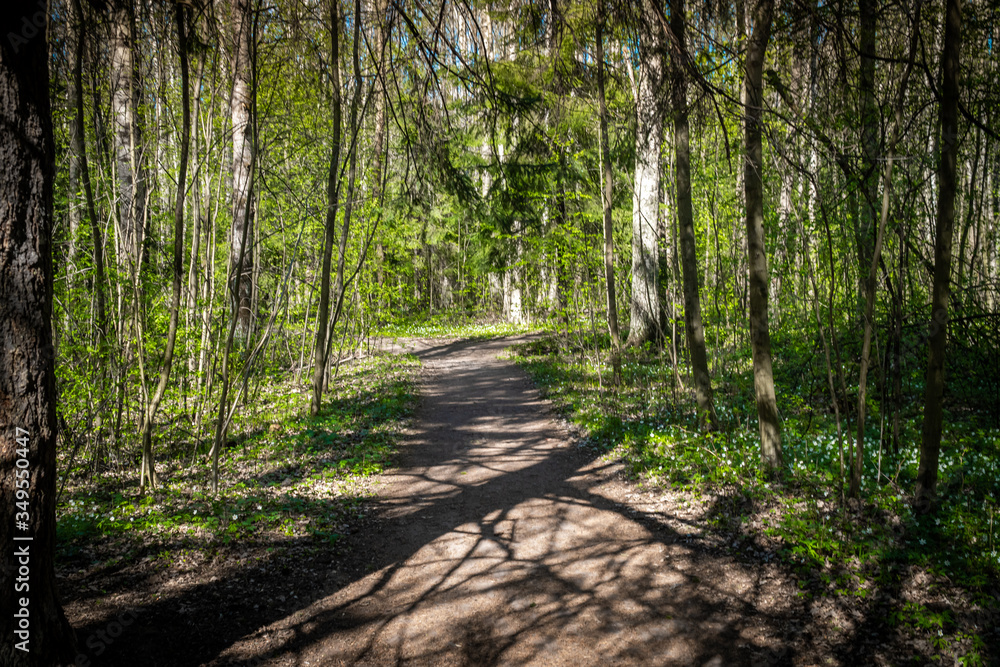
22 540
99 641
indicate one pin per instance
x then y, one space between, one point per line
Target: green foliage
836 548
292 475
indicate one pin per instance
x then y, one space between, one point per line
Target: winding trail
503 543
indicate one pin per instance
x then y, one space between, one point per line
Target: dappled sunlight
504 544
499 539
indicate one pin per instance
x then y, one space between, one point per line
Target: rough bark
645 302
930 444
760 336
27 381
693 328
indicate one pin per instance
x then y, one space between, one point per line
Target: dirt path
503 543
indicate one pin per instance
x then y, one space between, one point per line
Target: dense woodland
789 209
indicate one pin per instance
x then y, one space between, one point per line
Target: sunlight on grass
454 326
282 473
835 547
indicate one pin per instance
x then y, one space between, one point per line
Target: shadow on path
500 542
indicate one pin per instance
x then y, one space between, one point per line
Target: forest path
501 542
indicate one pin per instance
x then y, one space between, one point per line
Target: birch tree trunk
127 139
244 148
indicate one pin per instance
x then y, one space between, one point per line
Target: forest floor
496 539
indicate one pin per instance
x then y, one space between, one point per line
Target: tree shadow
495 543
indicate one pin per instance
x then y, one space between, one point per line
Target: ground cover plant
289 479
217 210
932 578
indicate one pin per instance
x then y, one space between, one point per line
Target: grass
452 325
282 475
835 548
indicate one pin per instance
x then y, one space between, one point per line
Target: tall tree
352 172
78 148
874 260
645 302
332 197
869 116
607 192
693 328
930 443
382 26
127 138
33 628
148 470
242 108
760 336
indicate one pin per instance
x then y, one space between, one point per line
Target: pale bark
645 303
127 139
244 150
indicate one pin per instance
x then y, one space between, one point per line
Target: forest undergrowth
931 579
285 477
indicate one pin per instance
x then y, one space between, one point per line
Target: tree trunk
930 443
127 139
645 302
33 628
872 270
75 36
79 150
345 228
607 194
760 336
868 178
383 26
693 328
244 148
148 472
332 197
